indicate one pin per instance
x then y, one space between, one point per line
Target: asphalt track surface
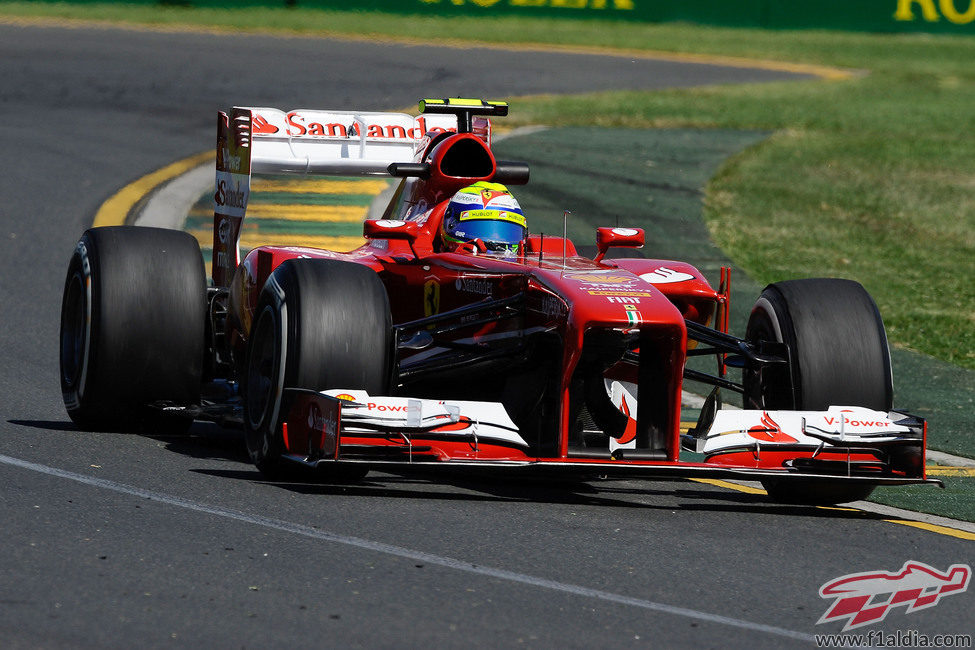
125 540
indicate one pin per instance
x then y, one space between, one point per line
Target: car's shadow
202 440
47 425
212 442
677 494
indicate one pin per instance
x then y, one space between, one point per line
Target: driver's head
486 212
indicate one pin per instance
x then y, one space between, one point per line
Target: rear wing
336 142
272 141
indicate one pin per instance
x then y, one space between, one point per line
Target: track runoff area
327 212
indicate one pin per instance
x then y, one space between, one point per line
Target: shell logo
346 397
769 431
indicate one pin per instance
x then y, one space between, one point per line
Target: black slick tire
839 357
133 318
319 324
837 342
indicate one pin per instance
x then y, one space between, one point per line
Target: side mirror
511 173
390 229
607 238
417 170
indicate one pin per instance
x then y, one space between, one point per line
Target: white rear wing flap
337 142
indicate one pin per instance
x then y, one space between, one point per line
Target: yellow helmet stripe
498 215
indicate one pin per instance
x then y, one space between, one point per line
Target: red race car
455 338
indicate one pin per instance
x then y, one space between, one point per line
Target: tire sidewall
765 386
837 344
76 313
261 419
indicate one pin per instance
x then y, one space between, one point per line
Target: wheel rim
759 329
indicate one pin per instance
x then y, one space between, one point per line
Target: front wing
852 445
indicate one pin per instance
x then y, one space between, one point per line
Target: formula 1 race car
453 338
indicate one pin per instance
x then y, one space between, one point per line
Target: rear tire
133 318
319 324
838 347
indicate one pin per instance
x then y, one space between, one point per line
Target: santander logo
260 126
298 124
663 275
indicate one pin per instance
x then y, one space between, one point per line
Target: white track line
951 460
402 552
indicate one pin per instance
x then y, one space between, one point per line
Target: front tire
133 318
319 324
837 341
839 357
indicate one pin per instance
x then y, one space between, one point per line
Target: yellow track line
933 528
747 489
114 211
944 470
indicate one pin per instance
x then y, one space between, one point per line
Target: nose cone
614 298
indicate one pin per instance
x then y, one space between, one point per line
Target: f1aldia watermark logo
866 598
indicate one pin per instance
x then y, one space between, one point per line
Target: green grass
870 178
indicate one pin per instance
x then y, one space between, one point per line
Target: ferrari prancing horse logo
431 297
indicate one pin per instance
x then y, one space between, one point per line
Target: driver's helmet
486 212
